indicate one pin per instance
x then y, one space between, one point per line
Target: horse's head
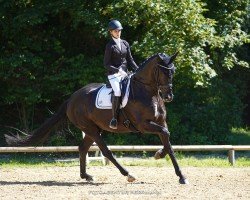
164 75
157 73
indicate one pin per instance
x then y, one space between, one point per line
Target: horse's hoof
157 155
90 179
87 177
183 181
130 178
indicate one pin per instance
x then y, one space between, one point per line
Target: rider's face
116 33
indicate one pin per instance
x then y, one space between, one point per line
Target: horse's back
82 111
82 101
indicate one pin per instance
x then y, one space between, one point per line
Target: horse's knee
165 131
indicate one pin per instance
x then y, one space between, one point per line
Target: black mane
148 60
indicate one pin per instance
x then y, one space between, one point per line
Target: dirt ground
152 183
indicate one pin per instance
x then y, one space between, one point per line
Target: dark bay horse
150 87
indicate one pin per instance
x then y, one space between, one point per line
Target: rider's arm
107 60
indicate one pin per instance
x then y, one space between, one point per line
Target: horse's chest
159 111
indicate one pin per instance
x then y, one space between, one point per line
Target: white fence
230 148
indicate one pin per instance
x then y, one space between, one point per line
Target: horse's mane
163 56
151 58
148 60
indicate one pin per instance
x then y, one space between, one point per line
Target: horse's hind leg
83 150
108 154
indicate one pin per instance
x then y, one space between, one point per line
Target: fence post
231 156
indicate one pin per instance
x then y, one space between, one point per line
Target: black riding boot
115 111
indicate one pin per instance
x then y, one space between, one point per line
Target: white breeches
115 80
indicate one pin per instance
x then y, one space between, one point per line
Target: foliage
49 49
240 136
180 25
42 53
203 114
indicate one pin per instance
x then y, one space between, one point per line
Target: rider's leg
115 83
115 112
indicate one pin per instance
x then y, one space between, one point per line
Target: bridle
169 86
156 75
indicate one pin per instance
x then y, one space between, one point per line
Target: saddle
104 95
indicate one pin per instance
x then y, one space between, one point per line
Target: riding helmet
114 24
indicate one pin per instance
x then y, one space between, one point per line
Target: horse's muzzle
166 97
166 94
169 98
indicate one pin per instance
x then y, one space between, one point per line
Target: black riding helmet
114 24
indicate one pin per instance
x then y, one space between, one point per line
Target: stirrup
113 123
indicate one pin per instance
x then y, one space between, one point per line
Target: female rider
116 59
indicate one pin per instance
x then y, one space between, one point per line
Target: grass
194 160
190 161
185 160
36 160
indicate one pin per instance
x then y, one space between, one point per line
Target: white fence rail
230 148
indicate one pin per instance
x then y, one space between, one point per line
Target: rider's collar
117 40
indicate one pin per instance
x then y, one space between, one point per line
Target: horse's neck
145 78
146 74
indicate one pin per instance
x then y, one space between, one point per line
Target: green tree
45 52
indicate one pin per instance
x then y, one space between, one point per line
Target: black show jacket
115 58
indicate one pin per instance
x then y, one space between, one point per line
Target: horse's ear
161 56
172 58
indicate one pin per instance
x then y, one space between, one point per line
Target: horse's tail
42 133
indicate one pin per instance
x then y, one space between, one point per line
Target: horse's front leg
164 135
162 132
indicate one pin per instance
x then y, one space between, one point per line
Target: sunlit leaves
167 26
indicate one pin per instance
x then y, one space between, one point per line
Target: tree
44 55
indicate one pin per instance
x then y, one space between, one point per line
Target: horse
150 87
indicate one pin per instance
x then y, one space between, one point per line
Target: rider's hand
136 69
123 73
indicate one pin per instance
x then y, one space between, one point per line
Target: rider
117 57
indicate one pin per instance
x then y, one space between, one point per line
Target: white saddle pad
103 97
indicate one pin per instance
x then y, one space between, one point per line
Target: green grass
185 160
34 160
188 161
